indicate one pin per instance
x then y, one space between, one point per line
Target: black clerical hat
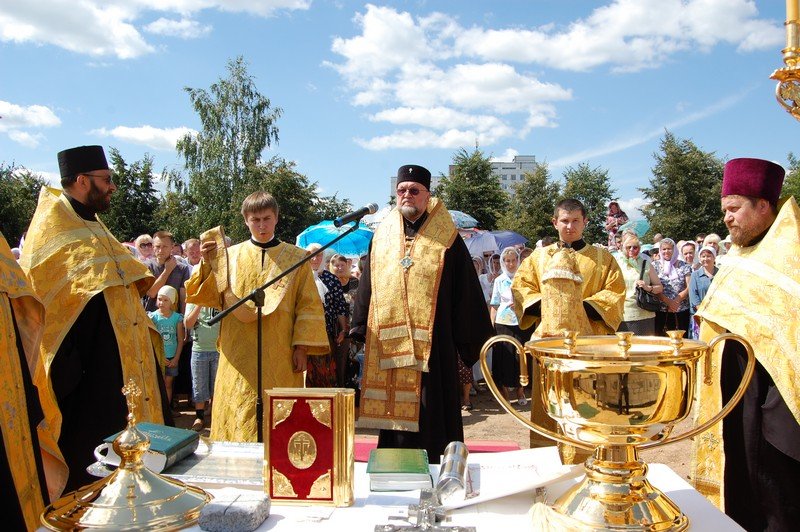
80 160
414 173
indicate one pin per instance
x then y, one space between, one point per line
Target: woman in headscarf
688 251
674 275
487 279
321 372
615 217
700 281
634 318
505 364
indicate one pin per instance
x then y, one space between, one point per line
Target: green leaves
471 188
684 191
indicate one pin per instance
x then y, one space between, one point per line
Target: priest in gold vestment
22 477
293 321
603 295
749 464
419 308
96 334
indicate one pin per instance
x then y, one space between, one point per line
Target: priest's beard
97 200
410 212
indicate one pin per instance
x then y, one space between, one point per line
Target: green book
398 470
168 445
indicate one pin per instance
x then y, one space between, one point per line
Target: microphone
372 208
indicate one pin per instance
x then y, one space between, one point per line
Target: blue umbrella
640 227
353 245
463 220
508 238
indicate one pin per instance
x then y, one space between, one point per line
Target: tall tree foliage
683 196
19 193
135 202
237 124
791 185
592 187
471 188
531 208
224 162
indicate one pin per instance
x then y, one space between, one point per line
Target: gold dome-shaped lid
132 497
623 346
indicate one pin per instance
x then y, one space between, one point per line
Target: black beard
97 200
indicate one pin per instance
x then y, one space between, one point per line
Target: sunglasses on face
146 245
404 191
631 247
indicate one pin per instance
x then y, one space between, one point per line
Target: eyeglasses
631 247
146 245
412 191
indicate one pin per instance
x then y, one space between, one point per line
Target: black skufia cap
81 159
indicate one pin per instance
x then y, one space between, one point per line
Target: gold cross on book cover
309 449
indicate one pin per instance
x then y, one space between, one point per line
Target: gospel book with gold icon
308 450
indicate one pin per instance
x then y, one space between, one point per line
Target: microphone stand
257 297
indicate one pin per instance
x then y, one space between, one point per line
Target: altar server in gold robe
293 320
96 334
24 490
749 464
602 292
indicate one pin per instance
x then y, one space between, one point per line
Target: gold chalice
614 395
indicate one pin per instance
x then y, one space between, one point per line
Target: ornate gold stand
132 497
788 89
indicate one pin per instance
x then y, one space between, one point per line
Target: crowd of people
82 314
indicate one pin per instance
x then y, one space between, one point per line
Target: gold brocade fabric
753 293
602 287
293 316
69 260
402 311
17 438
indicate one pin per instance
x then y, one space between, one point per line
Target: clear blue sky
366 88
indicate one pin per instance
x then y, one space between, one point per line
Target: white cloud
507 156
481 74
16 120
111 28
632 207
184 28
153 137
29 140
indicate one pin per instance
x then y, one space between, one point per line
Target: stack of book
398 470
168 445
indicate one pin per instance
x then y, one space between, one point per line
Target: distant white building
508 173
511 173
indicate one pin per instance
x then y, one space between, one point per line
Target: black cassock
762 450
10 507
461 326
86 374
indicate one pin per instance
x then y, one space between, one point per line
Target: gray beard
409 211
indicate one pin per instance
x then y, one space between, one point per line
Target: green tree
237 124
531 208
19 193
135 202
330 207
471 188
791 185
683 196
592 187
177 212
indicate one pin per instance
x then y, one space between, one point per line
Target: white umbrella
480 242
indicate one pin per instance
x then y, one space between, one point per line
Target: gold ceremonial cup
614 395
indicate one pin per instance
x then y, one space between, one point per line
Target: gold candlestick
788 89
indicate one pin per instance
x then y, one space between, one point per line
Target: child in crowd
205 358
170 325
